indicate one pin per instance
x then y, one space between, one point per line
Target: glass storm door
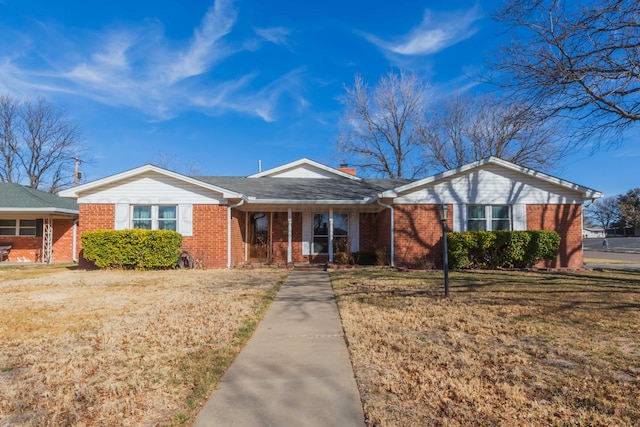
259 236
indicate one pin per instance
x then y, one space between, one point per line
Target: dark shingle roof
18 197
311 189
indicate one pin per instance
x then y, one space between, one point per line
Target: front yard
508 348
120 347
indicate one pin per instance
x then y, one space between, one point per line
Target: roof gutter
253 200
229 231
41 210
390 207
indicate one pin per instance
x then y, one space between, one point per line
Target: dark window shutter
38 227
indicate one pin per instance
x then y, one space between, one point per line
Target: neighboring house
37 226
593 233
305 211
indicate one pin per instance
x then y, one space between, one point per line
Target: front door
259 247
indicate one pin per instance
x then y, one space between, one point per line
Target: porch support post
392 239
47 240
331 235
229 207
289 227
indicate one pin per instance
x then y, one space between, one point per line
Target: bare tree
577 60
465 129
39 142
380 130
9 117
604 212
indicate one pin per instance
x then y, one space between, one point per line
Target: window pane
341 224
476 212
7 227
500 225
320 245
143 224
320 225
475 225
167 224
142 212
142 217
166 212
500 212
27 227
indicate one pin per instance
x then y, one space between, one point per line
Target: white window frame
488 216
155 216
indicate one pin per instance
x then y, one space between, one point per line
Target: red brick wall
383 233
238 237
368 232
94 217
29 249
208 244
23 248
62 240
280 238
418 235
566 220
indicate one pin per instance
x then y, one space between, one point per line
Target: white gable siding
152 188
491 185
303 171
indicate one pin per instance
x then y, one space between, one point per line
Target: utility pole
76 172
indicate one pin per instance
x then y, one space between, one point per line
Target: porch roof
19 198
312 190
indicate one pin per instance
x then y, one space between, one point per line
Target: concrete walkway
295 370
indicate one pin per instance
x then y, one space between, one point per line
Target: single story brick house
36 226
306 212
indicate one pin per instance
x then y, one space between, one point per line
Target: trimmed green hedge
132 249
501 249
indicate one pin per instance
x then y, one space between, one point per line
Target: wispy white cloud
141 68
437 31
275 35
204 49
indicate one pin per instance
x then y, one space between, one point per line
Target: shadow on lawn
554 291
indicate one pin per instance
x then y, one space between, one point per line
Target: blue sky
216 86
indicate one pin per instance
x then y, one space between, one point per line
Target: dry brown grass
508 348
107 348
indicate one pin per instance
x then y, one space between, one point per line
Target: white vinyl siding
152 189
493 185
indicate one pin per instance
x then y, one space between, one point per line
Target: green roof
17 198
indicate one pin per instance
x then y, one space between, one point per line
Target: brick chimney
344 167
